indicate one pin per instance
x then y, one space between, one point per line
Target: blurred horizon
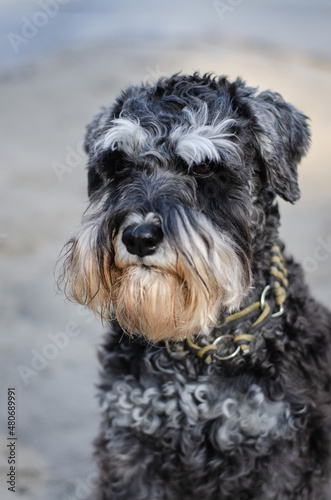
34 28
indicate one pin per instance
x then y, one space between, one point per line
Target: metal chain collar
278 284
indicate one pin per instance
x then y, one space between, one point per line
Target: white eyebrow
197 142
125 135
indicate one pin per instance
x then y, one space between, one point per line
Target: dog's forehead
193 128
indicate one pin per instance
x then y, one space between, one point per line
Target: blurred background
60 61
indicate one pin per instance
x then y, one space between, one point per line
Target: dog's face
180 175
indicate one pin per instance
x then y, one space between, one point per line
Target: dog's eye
203 169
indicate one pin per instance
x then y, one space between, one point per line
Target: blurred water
31 28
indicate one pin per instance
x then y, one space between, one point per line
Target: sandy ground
48 347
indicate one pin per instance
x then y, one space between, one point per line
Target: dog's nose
142 239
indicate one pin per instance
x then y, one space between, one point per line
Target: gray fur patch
236 417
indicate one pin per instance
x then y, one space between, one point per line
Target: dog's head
179 174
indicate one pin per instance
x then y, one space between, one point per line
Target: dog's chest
174 409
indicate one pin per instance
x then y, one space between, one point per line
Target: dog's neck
264 231
266 258
234 335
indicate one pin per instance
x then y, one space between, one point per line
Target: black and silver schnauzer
215 369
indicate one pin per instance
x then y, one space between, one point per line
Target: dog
215 378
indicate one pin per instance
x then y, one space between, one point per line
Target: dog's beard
172 297
161 305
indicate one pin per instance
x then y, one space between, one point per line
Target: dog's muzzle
164 276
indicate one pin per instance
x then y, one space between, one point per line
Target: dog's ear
93 133
97 127
282 137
